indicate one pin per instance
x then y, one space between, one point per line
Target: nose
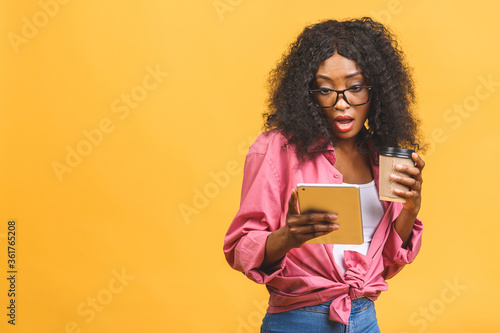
341 103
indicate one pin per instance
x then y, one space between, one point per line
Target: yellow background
118 211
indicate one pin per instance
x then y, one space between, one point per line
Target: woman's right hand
302 227
298 229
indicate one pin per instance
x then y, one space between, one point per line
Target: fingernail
399 167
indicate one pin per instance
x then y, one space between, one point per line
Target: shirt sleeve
394 255
259 215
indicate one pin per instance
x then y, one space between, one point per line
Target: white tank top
372 211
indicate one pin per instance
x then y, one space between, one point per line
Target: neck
347 146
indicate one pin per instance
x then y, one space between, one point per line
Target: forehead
338 66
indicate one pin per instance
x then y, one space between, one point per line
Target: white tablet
336 198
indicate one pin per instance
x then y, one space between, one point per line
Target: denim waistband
358 303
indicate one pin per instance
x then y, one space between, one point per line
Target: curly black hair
391 118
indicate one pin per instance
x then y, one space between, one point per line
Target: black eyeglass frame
311 91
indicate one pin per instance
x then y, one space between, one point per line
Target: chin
353 133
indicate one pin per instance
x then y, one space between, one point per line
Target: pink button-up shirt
307 275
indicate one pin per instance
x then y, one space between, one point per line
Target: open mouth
344 123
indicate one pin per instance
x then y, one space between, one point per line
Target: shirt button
336 175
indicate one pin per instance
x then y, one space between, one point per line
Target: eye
356 88
324 91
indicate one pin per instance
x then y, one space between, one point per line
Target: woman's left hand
414 182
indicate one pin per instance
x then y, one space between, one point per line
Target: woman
340 94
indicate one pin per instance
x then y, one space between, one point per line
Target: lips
344 123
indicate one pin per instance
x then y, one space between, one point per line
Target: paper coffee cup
389 157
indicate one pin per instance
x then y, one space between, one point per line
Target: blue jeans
311 319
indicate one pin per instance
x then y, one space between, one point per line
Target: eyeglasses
354 96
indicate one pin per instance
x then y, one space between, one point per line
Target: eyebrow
348 76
